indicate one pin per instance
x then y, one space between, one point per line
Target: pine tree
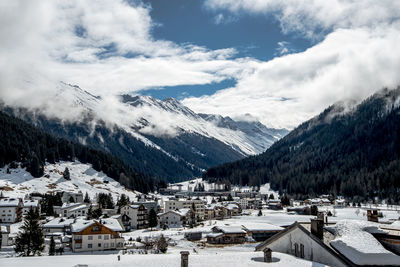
66 174
30 240
71 199
52 248
259 212
87 199
162 244
152 219
230 198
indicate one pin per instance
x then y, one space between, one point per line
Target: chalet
149 205
234 209
178 204
226 235
300 242
176 218
346 243
340 203
58 225
221 212
134 217
209 212
93 235
11 210
261 231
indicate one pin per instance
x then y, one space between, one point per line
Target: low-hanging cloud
357 57
106 47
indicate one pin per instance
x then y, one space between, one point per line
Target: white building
5 236
175 204
72 209
134 217
10 210
94 235
300 242
174 218
58 225
28 204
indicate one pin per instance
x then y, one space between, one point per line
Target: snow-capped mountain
162 138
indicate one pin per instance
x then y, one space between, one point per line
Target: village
195 218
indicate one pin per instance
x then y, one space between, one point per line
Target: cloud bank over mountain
107 48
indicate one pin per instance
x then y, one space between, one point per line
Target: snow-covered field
83 178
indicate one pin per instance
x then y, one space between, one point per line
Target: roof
80 207
58 222
230 229
214 234
254 227
31 203
3 229
289 229
80 225
9 202
349 233
69 205
112 224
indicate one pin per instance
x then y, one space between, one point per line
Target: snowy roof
214 234
70 205
58 222
3 229
232 206
355 241
183 212
112 224
31 203
230 229
80 207
9 202
80 225
261 227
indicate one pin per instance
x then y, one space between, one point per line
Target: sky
282 62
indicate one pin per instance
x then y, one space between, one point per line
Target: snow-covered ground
212 258
83 178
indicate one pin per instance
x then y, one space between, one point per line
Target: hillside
18 182
161 138
21 142
355 153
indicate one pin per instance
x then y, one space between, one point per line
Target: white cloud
105 47
357 58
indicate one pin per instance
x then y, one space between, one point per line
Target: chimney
317 228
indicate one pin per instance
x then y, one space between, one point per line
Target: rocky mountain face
161 138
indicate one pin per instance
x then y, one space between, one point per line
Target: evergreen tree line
21 142
355 154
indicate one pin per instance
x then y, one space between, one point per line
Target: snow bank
355 241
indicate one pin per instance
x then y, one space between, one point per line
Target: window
105 245
296 249
99 237
99 245
106 237
90 237
78 237
301 250
90 245
112 245
78 245
95 228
